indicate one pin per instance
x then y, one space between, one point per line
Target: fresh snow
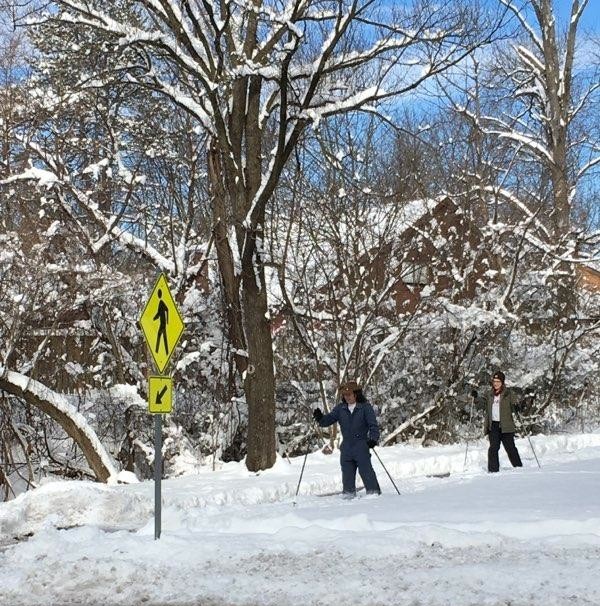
519 537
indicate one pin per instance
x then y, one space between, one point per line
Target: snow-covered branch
74 423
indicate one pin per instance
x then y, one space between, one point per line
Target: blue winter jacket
357 426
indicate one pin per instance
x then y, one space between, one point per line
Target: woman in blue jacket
360 432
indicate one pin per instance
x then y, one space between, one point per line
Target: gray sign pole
157 472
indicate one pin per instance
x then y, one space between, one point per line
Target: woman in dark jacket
360 432
500 404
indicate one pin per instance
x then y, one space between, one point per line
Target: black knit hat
498 375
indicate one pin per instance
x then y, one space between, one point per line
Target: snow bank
115 507
232 537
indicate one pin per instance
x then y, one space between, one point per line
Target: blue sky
590 19
591 15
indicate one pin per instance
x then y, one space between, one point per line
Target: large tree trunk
244 289
563 278
230 277
558 84
259 380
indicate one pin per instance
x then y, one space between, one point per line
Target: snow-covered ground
520 537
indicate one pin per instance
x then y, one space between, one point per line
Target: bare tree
254 76
537 100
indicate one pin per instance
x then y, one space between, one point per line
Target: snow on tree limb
510 197
58 407
46 179
528 142
408 423
588 166
510 5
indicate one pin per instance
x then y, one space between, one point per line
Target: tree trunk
558 84
259 380
563 277
225 258
247 318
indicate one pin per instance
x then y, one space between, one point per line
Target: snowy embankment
522 537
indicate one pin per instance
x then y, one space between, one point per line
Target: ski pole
301 474
529 439
386 471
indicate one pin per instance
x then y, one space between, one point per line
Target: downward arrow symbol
160 395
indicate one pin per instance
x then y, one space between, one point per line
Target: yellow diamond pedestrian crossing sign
160 394
161 323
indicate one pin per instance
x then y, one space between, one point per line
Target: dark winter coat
508 405
360 425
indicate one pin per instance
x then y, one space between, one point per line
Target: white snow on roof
313 239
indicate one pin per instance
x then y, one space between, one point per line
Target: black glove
371 443
317 414
474 393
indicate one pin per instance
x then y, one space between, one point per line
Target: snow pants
357 456
508 441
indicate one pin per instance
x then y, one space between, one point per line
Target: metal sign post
162 326
157 474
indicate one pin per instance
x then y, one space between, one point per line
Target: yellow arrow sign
160 394
161 323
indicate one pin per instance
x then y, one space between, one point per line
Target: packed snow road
520 537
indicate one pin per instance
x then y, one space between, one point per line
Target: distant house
408 249
588 288
588 278
437 246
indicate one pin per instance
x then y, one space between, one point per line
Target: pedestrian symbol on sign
161 323
162 315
